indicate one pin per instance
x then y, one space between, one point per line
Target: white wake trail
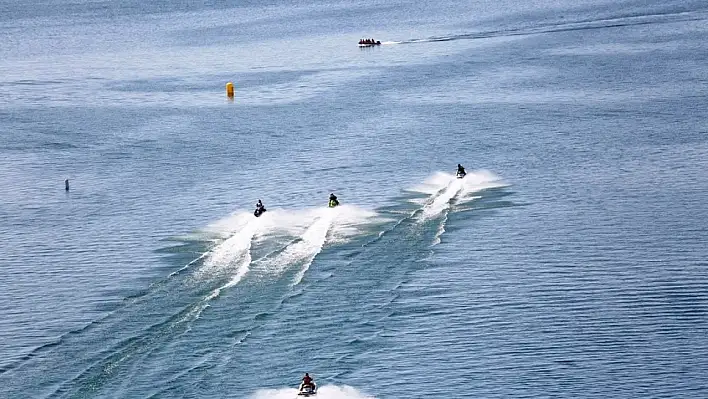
312 242
225 253
306 248
442 188
325 392
318 227
442 201
232 255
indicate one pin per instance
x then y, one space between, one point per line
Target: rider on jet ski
307 382
333 200
460 171
259 208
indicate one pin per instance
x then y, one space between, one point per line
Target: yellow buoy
230 90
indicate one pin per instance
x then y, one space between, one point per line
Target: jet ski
307 390
259 211
333 202
460 172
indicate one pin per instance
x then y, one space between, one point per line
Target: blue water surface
571 261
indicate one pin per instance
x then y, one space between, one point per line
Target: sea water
569 262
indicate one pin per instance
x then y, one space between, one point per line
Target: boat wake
303 250
325 392
325 225
291 239
609 21
229 261
443 191
238 246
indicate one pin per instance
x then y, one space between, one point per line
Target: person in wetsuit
259 208
333 200
460 170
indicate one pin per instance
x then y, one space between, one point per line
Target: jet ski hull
306 392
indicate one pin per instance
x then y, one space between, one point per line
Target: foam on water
232 255
442 188
334 225
325 392
305 233
311 229
441 202
229 225
348 221
224 253
242 229
312 242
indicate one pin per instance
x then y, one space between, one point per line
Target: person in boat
307 382
333 200
460 170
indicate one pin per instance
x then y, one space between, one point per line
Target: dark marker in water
66 184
